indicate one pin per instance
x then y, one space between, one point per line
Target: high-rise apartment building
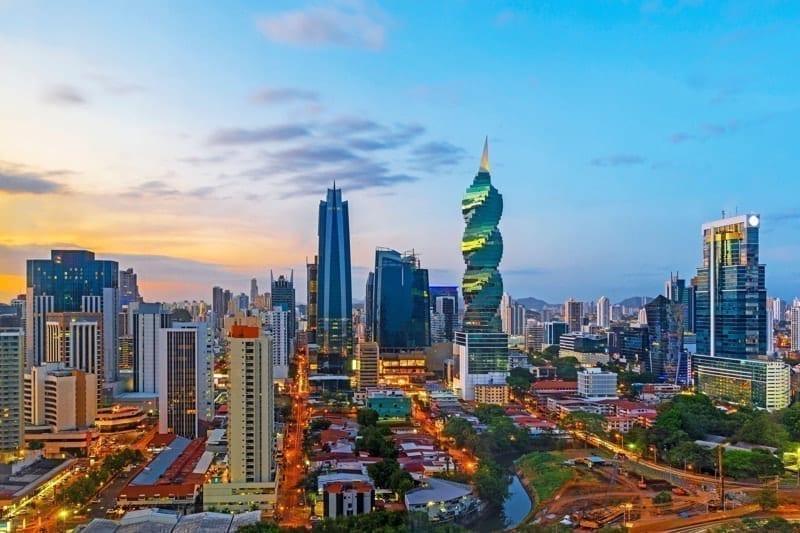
603 312
204 367
795 329
334 287
481 349
76 340
400 301
148 320
72 281
731 297
534 335
311 300
250 406
283 296
253 291
62 398
368 364
573 314
12 358
218 306
277 323
177 390
512 316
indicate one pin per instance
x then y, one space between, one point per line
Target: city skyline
173 171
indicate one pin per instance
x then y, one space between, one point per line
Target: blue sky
193 141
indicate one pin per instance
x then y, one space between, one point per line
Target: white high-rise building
603 312
507 313
250 406
62 398
76 340
148 320
642 317
795 328
277 323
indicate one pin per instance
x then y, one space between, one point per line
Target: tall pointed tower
481 349
482 247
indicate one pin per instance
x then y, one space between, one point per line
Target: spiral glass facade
482 247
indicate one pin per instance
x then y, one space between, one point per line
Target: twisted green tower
482 247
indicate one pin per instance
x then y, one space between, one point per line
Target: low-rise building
493 394
348 499
587 348
441 500
390 404
748 382
596 384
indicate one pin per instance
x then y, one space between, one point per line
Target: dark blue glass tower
72 281
400 302
666 358
334 288
730 295
283 296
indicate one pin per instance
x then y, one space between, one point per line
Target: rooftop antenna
723 213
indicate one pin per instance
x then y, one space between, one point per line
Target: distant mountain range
537 305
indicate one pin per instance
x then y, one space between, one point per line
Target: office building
481 349
177 390
250 406
63 398
632 344
148 320
12 358
204 367
675 290
334 287
367 364
369 306
587 348
283 297
596 384
128 287
573 314
401 302
218 305
76 340
731 298
403 369
72 281
553 332
770 332
603 312
349 498
444 306
276 322
665 325
746 382
795 329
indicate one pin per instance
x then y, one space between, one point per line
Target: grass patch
545 474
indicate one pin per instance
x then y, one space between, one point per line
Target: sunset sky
193 141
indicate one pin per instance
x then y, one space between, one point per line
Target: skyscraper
731 298
283 296
72 281
148 320
400 302
76 339
128 287
603 312
481 349
795 329
277 323
177 390
444 302
253 291
334 288
675 290
368 306
573 314
250 406
665 326
218 306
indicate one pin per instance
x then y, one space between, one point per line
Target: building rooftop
345 486
437 490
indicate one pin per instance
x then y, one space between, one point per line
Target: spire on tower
485 157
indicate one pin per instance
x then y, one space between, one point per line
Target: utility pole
721 477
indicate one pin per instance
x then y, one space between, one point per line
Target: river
515 507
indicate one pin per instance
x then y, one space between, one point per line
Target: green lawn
544 473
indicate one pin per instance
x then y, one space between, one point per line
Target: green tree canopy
367 417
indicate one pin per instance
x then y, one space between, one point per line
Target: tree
767 499
662 497
458 429
551 352
759 428
790 418
589 422
319 424
373 441
492 482
566 368
367 417
382 471
520 379
488 412
260 527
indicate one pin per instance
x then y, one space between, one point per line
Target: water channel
515 508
